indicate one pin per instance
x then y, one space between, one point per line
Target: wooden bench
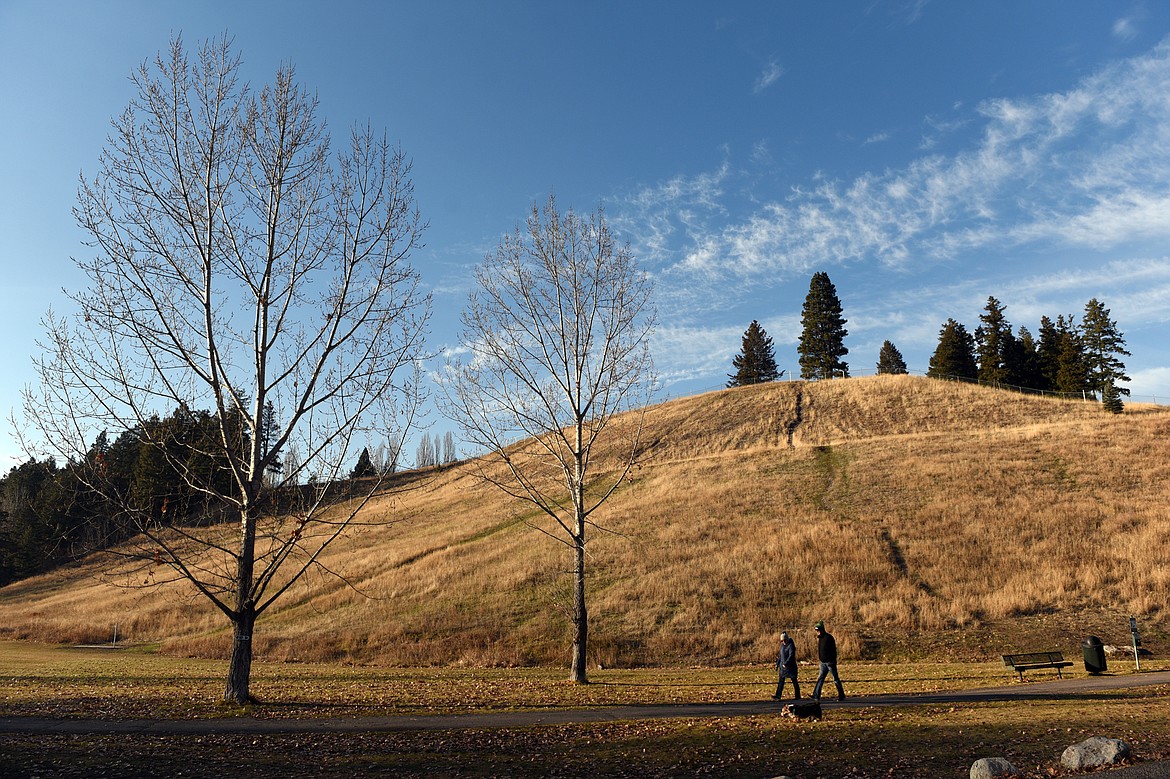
1026 661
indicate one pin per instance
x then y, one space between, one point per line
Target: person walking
786 664
827 654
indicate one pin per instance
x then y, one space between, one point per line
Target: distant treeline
165 471
161 471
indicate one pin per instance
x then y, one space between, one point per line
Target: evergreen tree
995 346
954 357
756 362
153 477
32 507
1072 375
822 340
1048 354
1111 399
1102 342
890 360
364 467
1028 360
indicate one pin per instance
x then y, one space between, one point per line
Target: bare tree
558 327
237 265
386 458
424 456
449 455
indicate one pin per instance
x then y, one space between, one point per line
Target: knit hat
820 625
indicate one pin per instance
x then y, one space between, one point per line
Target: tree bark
238 689
580 616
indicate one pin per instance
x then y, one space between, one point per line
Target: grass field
911 741
922 519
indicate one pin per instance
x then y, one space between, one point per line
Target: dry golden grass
917 517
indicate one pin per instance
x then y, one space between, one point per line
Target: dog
802 710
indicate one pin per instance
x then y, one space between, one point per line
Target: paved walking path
514 719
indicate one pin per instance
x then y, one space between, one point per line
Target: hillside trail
1062 688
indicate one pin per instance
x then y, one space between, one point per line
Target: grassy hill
917 517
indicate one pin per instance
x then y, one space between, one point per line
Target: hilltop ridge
917 517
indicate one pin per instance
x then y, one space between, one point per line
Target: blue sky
924 154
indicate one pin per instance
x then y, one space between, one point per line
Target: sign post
1137 641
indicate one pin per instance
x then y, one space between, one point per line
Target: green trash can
1094 652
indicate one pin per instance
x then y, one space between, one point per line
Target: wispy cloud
1087 168
772 73
700 351
910 11
696 351
1125 29
761 154
652 217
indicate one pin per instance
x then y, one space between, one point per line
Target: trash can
1094 655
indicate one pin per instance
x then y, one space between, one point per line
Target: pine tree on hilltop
890 360
1101 343
756 362
822 341
1028 372
1072 373
1048 353
996 346
954 357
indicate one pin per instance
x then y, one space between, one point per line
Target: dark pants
826 669
795 686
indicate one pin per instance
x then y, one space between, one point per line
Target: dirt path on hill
1062 688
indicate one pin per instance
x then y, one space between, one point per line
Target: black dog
802 710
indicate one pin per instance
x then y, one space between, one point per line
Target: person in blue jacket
786 663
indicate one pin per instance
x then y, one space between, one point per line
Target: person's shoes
840 698
775 697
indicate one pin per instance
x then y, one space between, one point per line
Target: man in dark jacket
786 662
827 654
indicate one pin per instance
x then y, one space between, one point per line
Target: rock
1110 649
1094 752
992 767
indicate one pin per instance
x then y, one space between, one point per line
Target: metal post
1137 641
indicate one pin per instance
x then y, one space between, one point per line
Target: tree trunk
239 678
580 616
244 617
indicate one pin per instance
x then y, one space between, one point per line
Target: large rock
1094 752
992 768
